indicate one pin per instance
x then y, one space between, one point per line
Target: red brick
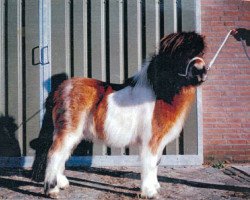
229 24
223 146
216 142
231 13
235 109
231 136
236 152
213 136
244 18
242 23
239 158
219 28
236 141
247 136
221 131
219 7
229 18
241 146
248 153
209 18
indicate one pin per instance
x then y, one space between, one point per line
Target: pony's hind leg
63 145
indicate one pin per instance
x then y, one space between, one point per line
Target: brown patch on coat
165 115
100 115
71 100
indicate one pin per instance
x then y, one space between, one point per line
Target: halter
193 59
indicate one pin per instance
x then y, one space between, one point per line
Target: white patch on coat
129 116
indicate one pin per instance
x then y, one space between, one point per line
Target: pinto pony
148 110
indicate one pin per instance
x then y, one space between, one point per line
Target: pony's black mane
166 83
119 86
175 51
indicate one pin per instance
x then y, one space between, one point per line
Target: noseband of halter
193 59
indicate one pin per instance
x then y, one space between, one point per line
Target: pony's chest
168 119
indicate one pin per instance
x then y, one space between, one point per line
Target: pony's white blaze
129 115
199 65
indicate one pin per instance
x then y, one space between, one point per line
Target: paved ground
204 182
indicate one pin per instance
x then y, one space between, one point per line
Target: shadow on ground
103 181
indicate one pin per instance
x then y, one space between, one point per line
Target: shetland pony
148 110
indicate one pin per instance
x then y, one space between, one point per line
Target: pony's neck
162 77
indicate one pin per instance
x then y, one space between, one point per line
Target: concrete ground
203 182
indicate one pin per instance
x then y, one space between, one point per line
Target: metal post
199 90
2 56
45 52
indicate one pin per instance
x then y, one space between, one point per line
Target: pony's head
178 63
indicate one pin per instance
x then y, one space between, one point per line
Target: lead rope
218 51
186 72
223 43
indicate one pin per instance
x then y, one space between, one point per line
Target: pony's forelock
176 43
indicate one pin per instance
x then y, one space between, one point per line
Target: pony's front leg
150 184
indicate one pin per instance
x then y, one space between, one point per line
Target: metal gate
43 42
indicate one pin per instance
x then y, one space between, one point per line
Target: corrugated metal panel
60 37
97 51
133 51
31 75
103 39
116 51
78 33
2 56
13 64
170 26
190 140
170 16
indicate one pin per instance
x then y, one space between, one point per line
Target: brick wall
226 94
